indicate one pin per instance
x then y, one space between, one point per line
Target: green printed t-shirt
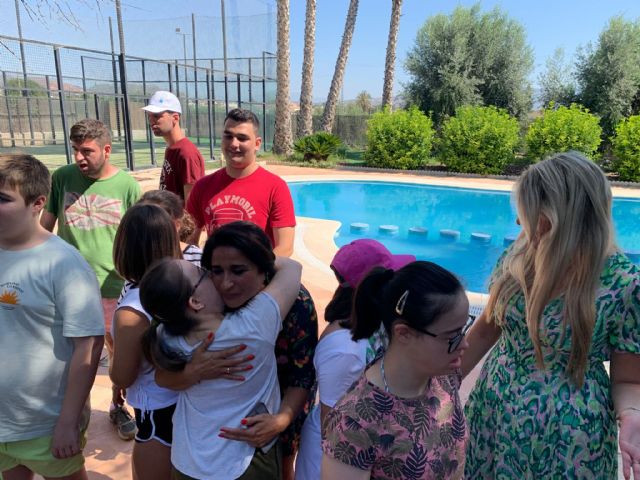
88 213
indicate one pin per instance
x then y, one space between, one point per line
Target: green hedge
479 140
401 139
626 148
562 129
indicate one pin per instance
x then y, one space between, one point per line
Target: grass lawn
53 156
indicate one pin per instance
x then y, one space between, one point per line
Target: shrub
626 148
401 139
562 129
479 140
317 146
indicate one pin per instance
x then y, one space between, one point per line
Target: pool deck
108 457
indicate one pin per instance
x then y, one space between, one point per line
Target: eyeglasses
202 275
454 342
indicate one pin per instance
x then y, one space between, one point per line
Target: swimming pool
435 208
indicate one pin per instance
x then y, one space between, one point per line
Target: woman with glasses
339 361
187 309
563 300
403 418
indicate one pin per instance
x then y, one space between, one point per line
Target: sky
150 31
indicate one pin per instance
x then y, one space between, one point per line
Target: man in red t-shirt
243 190
183 164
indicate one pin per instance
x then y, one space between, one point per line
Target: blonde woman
562 301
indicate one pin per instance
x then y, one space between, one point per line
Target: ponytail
164 294
369 303
417 294
158 354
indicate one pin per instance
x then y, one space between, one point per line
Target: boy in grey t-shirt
51 333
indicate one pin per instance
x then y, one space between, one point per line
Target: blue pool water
435 208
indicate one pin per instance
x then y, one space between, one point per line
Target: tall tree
609 73
390 61
470 58
305 117
329 114
364 101
556 83
283 140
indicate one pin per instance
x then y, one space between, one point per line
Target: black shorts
155 425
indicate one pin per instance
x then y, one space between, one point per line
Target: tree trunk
338 75
282 141
305 118
390 62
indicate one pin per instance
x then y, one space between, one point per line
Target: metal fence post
195 75
144 79
84 88
226 93
6 98
177 80
96 105
239 90
25 89
264 102
152 146
53 125
63 113
250 95
115 81
128 134
148 133
170 76
213 100
209 118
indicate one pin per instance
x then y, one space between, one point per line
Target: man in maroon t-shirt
243 190
183 164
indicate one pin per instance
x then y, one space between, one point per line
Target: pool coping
315 246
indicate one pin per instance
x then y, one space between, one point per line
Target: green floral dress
528 423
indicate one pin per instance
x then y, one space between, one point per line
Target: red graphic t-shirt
183 165
262 198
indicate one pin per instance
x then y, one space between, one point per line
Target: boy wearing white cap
183 163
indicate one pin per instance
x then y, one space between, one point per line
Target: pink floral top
393 437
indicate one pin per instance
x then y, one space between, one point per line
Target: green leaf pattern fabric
525 422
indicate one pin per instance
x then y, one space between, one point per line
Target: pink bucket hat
353 261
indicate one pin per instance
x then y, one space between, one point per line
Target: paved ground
108 457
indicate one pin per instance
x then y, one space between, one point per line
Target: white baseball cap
162 101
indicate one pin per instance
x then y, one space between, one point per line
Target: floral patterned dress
295 348
528 423
399 438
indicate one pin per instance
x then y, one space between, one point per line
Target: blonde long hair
569 196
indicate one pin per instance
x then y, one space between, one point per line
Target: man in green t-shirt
87 200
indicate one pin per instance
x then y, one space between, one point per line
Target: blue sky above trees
151 24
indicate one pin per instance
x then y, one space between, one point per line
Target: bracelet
635 409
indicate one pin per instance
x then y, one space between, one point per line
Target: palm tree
338 75
305 117
283 139
363 100
390 62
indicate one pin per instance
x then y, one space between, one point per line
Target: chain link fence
46 88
